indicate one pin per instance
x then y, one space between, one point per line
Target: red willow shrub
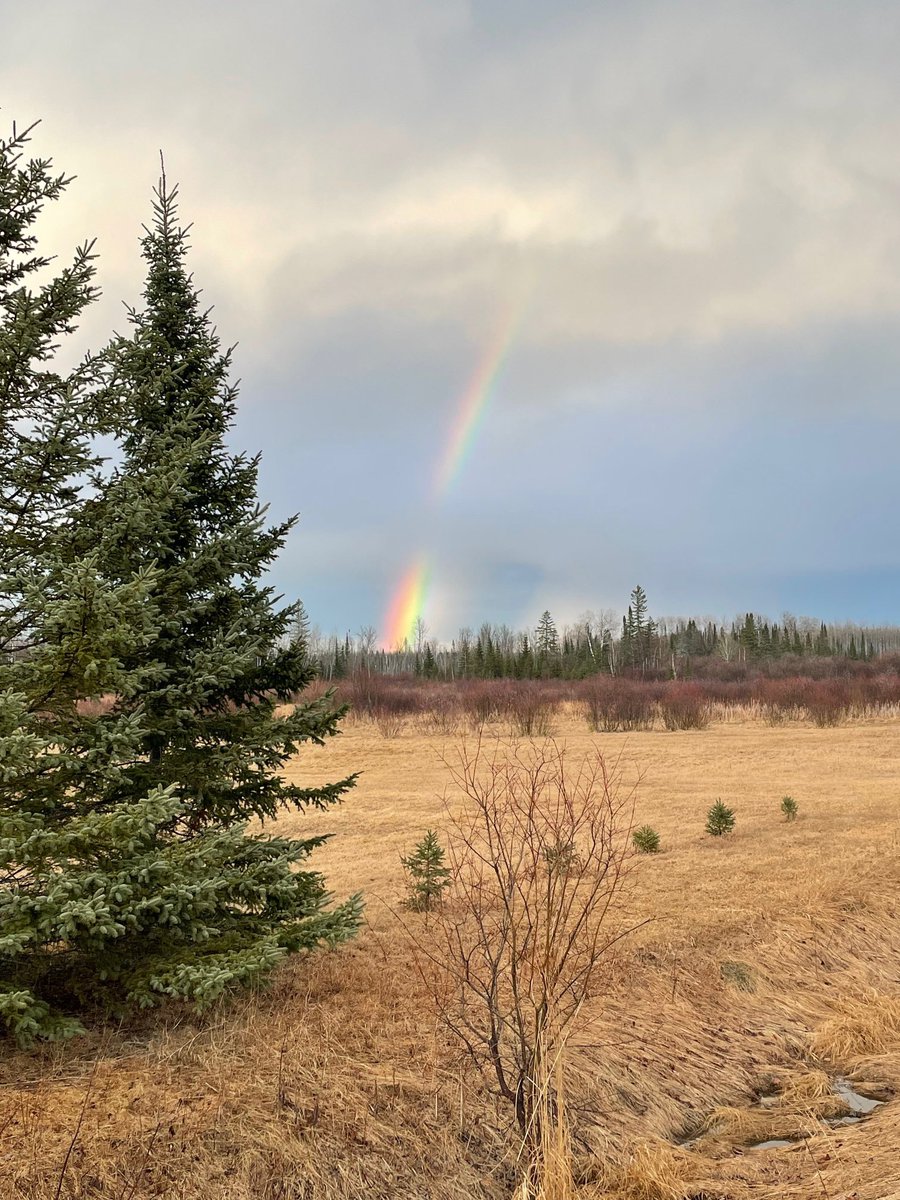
482 700
881 692
530 708
612 703
782 699
441 708
685 706
828 701
384 699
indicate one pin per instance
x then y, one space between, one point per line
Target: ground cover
770 966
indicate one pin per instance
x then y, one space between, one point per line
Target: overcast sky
697 204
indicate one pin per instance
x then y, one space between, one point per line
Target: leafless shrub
612 703
685 706
828 702
482 701
527 929
529 709
441 712
388 723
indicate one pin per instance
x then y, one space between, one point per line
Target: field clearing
338 1081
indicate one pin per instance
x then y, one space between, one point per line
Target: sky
541 300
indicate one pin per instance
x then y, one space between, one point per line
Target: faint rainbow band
409 596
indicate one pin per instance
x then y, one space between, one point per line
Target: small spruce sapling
560 857
719 819
646 840
789 807
427 875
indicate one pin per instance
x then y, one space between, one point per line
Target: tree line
603 643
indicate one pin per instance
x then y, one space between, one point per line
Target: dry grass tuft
651 1170
869 1024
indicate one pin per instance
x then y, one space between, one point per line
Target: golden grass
864 1025
338 1082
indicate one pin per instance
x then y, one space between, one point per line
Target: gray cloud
699 202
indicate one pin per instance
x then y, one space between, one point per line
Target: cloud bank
699 202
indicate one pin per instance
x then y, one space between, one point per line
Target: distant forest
636 644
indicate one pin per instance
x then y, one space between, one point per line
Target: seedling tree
646 840
789 807
126 870
428 875
719 819
521 945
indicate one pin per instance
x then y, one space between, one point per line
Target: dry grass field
769 963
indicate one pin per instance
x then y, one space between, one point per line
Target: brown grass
338 1082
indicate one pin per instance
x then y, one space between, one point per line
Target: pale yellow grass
338 1082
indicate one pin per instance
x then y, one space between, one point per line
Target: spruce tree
749 636
823 645
223 661
546 645
119 883
78 876
45 455
639 630
46 419
300 626
428 876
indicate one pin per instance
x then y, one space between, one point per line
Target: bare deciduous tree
538 854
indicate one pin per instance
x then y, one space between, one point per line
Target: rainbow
408 600
406 605
474 403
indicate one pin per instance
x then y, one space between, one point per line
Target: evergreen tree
50 641
749 636
525 658
427 873
628 641
720 819
46 419
823 645
640 630
108 896
198 689
300 626
547 647
546 638
765 641
429 663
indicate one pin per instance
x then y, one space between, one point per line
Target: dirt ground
769 964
